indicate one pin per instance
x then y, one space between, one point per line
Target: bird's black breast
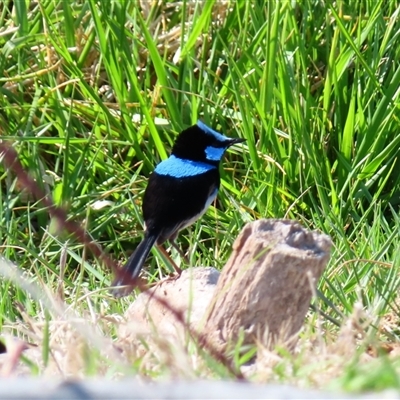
168 201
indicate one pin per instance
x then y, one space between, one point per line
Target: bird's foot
169 278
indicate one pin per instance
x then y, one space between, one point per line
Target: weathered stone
190 294
268 282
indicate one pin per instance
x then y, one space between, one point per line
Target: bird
179 191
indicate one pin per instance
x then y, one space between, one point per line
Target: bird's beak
236 140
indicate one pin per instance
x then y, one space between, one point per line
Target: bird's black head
201 143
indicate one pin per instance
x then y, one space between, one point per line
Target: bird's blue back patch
214 153
218 136
179 168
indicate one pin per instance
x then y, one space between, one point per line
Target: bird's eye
217 144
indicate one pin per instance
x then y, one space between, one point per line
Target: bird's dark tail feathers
131 269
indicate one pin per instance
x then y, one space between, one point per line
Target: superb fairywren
179 192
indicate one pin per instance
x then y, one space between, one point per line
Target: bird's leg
179 250
165 253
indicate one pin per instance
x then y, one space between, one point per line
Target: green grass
92 95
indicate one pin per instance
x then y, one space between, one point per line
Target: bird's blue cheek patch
179 168
214 153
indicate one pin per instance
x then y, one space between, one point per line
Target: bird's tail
132 268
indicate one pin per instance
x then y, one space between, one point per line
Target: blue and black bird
179 191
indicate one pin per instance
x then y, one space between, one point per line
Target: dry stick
11 161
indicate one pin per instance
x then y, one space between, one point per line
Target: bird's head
201 143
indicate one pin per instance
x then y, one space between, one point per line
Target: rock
132 388
267 284
263 293
191 294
